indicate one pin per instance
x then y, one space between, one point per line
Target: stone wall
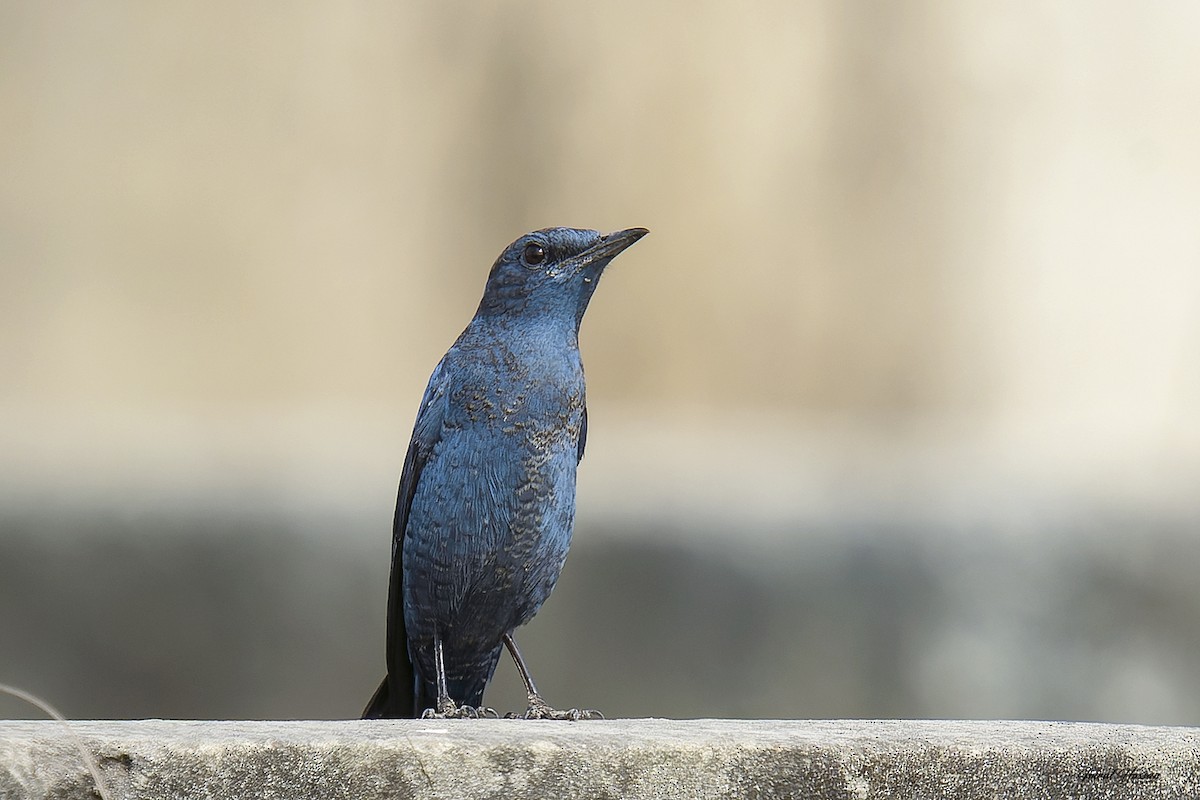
644 758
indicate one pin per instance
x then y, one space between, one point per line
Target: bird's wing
426 433
582 436
399 699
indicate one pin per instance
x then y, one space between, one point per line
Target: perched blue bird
487 493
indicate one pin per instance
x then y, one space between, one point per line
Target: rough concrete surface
644 758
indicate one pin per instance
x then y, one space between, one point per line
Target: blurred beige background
921 269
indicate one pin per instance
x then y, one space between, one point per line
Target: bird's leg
538 708
446 707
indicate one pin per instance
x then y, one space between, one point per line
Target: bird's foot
448 709
539 709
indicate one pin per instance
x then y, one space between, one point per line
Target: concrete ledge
643 758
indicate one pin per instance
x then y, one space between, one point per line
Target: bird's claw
539 709
448 709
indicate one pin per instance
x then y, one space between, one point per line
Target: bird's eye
534 254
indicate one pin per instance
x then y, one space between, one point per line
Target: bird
486 503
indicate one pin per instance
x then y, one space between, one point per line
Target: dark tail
380 706
395 698
387 703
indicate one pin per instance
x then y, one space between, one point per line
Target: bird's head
552 272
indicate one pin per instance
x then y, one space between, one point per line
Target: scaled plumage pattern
487 494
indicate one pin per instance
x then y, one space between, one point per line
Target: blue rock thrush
487 493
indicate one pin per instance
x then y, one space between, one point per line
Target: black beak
609 246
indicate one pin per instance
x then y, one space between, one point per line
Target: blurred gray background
894 413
